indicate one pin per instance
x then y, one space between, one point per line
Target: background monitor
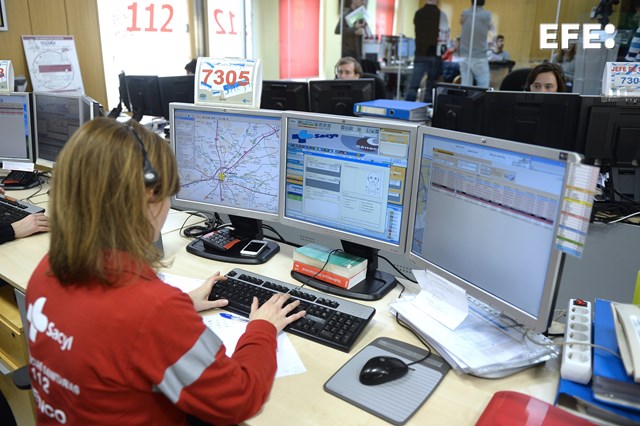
609 131
285 95
124 93
228 162
57 117
458 107
90 109
144 95
486 215
349 178
16 122
338 96
175 89
543 119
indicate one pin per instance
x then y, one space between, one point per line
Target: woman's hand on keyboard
274 311
200 295
30 225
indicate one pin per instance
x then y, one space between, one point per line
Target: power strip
577 356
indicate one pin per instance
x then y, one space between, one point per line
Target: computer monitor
90 108
144 95
349 178
543 119
485 216
458 107
609 131
16 122
57 117
338 96
123 92
285 95
228 162
178 88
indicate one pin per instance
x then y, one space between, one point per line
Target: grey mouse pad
394 401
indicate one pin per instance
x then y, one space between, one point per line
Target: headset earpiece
150 174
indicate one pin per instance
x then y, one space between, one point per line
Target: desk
300 399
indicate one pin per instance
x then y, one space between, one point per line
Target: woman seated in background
546 77
129 348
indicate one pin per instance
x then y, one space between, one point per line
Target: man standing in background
427 58
476 24
351 35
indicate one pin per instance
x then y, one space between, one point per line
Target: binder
388 108
611 384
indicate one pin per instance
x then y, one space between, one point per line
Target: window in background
147 37
228 28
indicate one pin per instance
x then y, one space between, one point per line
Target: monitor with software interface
16 137
228 162
338 96
57 117
349 178
485 217
285 95
544 119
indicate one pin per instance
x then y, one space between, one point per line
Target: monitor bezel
541 321
79 98
150 93
167 94
182 204
318 87
31 155
339 234
288 86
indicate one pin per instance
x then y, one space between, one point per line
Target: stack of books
342 270
612 395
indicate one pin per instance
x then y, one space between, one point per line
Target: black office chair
516 80
380 87
20 378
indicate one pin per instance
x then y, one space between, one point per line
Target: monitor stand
246 230
375 286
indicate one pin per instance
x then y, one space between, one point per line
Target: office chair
20 378
380 86
515 80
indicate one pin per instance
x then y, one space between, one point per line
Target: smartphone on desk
253 248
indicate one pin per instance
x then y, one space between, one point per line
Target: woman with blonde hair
109 342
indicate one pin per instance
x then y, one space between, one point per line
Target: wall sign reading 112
133 7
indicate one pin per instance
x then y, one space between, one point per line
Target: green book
340 263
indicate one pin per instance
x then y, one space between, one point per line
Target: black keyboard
13 210
331 321
20 179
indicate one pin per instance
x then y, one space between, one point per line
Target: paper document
185 284
230 330
356 15
441 299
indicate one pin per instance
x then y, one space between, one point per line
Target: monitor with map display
228 162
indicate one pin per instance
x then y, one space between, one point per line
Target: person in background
546 77
426 59
190 68
566 59
453 53
497 52
129 348
24 227
348 68
352 36
476 68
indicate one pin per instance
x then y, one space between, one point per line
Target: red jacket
138 353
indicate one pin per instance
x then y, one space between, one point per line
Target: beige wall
78 18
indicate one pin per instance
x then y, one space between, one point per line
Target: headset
150 174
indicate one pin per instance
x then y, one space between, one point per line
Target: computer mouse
382 369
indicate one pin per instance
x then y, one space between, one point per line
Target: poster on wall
53 64
3 17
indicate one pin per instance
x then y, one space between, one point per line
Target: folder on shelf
611 383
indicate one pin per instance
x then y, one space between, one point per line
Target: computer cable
408 327
398 270
308 280
197 230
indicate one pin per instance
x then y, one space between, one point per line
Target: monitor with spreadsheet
16 123
285 95
486 216
338 96
57 117
349 178
228 162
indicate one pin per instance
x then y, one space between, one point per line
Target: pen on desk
233 317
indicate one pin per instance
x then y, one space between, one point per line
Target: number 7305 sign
228 81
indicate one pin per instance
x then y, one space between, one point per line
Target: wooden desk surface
459 400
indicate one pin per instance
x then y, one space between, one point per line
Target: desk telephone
626 318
